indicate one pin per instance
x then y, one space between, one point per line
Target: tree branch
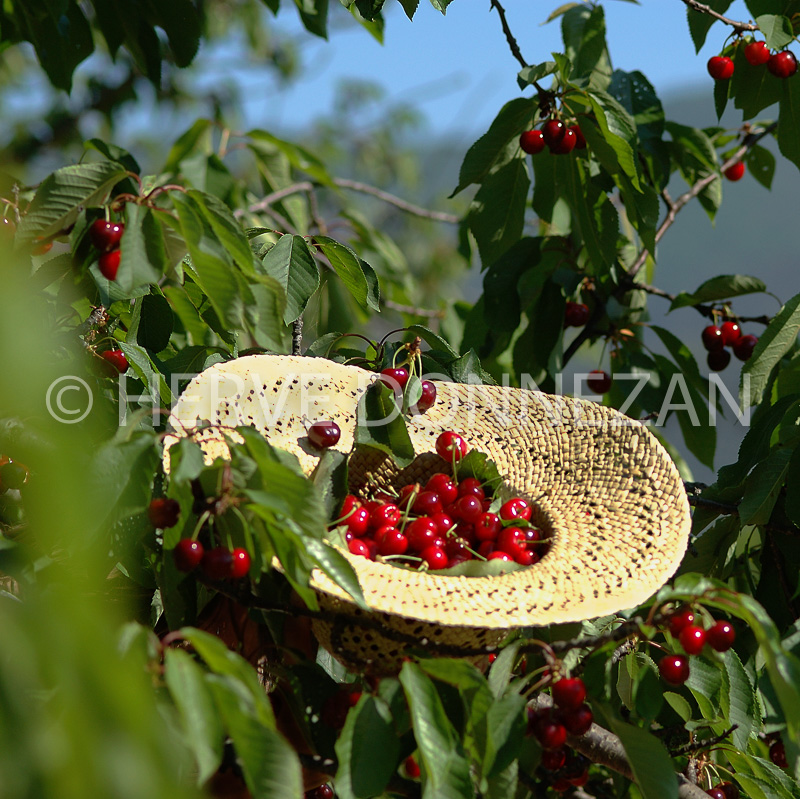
353 185
701 308
410 309
512 42
739 27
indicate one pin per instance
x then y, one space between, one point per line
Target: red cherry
217 563
578 721
757 53
187 554
525 557
730 790
498 555
692 639
421 533
322 435
712 338
783 64
515 508
427 503
451 446
735 172
163 512
552 132
394 378
241 563
108 264
358 522
731 333
777 754
391 541
569 693
487 526
471 486
744 347
384 514
720 67
106 235
358 546
350 503
443 522
117 359
550 734
580 141
509 540
7 228
435 557
599 382
567 143
680 618
674 669
412 767
427 398
721 636
323 791
468 509
717 361
532 142
443 485
561 785
576 314
716 793
553 759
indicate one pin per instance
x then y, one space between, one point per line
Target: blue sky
457 69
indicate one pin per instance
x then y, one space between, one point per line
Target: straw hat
603 488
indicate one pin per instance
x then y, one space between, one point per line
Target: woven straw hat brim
605 490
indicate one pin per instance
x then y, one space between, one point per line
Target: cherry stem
200 524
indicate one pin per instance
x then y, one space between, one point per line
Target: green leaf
619 131
299 157
224 662
381 426
59 33
651 764
270 764
410 7
761 164
441 5
202 726
738 700
777 30
532 74
368 750
181 21
792 504
291 263
64 194
514 117
773 344
349 268
719 288
227 230
146 370
763 487
788 144
155 322
445 767
211 264
338 568
679 704
583 29
497 212
637 95
700 23
143 257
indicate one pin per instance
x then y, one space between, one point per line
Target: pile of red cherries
442 523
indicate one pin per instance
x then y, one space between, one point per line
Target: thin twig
739 27
701 746
353 185
512 42
701 308
297 336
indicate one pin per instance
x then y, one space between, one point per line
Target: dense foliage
123 675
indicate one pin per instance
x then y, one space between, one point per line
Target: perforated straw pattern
606 491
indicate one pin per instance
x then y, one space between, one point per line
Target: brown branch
700 746
297 336
605 749
512 42
739 27
701 308
353 185
674 206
